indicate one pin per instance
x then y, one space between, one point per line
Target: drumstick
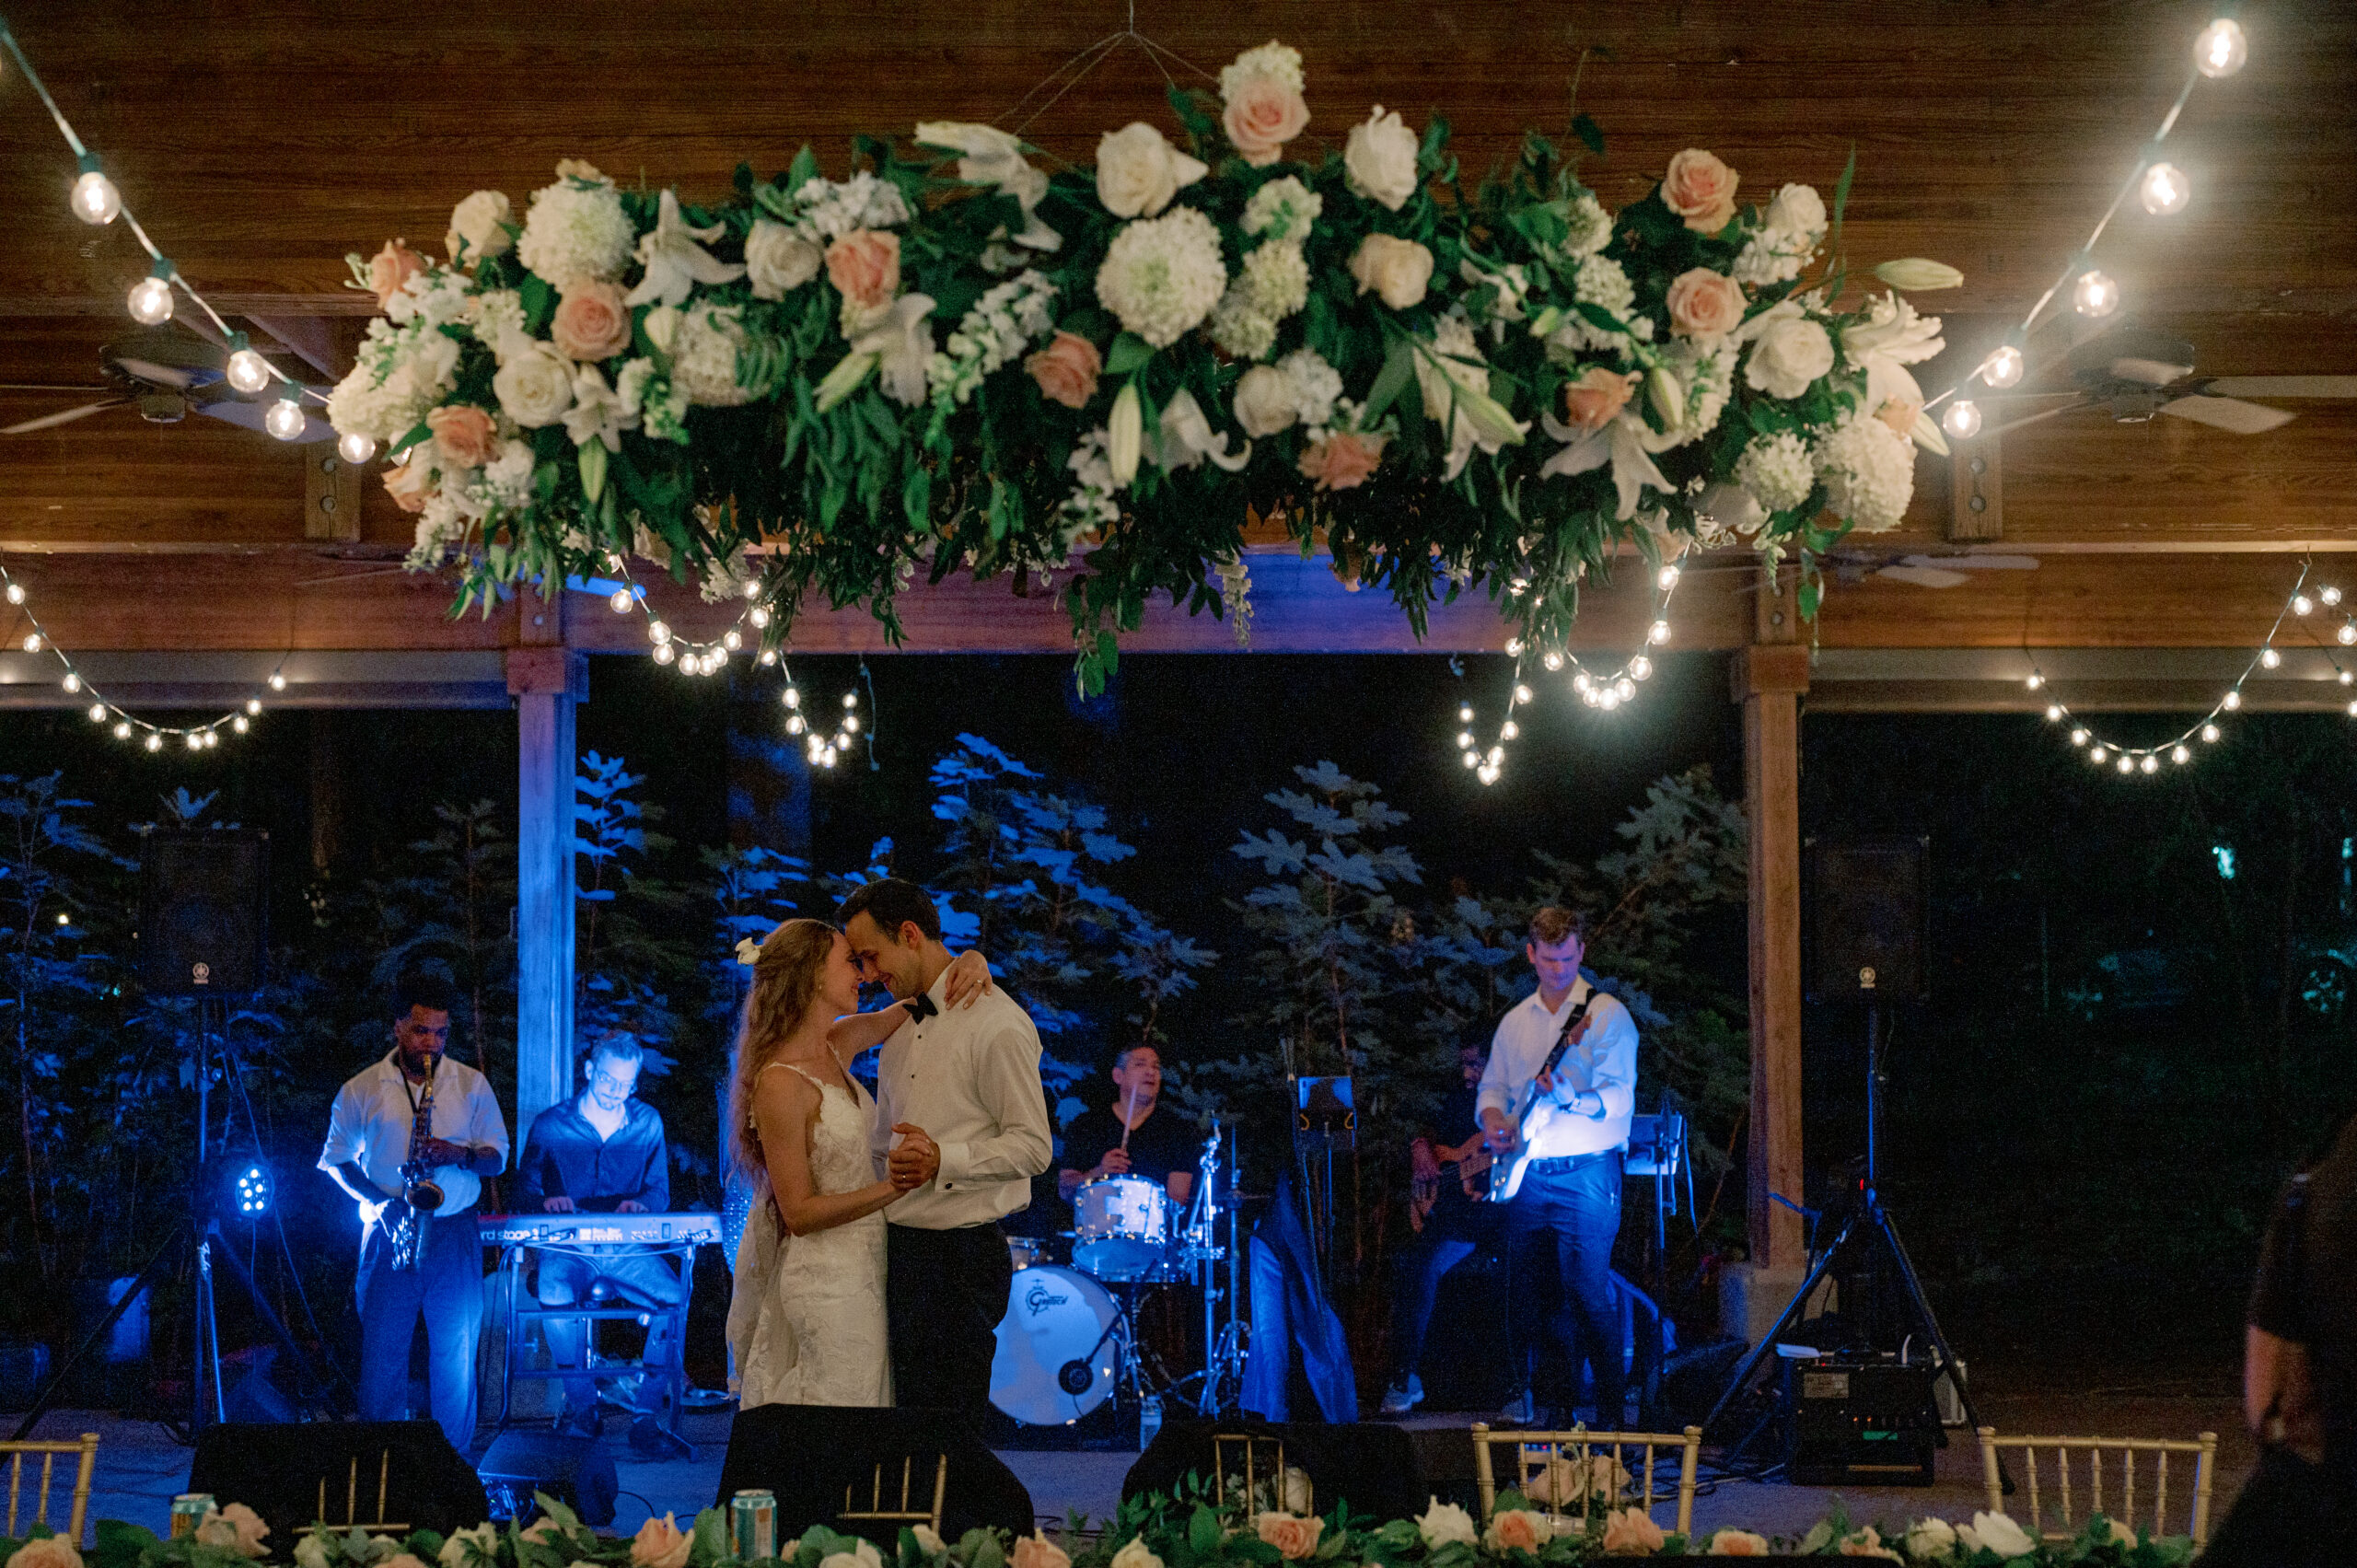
1128 1114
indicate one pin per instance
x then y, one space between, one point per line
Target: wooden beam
1767 680
544 680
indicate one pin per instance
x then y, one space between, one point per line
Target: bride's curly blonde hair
786 976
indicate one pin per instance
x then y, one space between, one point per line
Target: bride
807 1321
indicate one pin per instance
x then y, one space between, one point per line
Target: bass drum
1055 1361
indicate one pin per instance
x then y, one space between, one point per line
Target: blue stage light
249 1190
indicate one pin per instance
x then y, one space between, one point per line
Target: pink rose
1292 1535
1631 1532
49 1551
542 1531
591 321
1700 189
1594 401
390 268
1262 117
660 1543
865 267
464 433
1704 304
1341 461
1516 1528
1066 369
237 1527
1738 1543
409 484
1036 1550
1899 414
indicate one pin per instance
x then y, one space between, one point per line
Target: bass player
1558 1137
1451 1170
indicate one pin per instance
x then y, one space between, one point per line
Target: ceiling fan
165 373
1924 571
2134 373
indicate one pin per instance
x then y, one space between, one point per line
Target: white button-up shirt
970 1076
1605 1061
373 1113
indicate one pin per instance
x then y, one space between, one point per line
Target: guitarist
1568 1129
1450 1167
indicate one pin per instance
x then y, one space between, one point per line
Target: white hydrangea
497 317
1590 225
1283 209
1601 283
1274 62
576 228
1869 472
1278 278
829 209
402 372
703 357
1777 470
1000 326
1315 385
1161 276
507 478
1772 256
1241 331
436 296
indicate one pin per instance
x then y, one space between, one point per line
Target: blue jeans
1575 1214
447 1288
1417 1282
638 1277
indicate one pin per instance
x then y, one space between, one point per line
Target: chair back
903 1515
2086 1476
86 1453
1560 1472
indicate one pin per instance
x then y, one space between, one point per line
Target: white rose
535 386
1396 269
1928 1537
778 260
1797 209
1787 356
1138 172
929 1540
1443 1523
2001 1535
1136 1555
311 1552
1380 158
1264 400
478 228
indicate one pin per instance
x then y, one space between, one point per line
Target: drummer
1128 1139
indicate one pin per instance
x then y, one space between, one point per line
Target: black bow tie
920 1007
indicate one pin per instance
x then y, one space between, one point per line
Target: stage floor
140 1467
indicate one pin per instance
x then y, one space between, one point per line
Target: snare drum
1028 1251
1121 1227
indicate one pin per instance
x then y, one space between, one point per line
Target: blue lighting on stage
250 1191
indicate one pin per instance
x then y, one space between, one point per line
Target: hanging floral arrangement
955 360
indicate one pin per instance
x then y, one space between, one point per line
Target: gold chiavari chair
1557 1470
2126 1456
86 1450
903 1515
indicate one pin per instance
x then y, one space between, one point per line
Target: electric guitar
1528 1114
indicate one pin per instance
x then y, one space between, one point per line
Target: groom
959 1105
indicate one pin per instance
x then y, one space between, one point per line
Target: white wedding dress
807 1321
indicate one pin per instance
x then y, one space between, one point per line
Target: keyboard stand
524 1309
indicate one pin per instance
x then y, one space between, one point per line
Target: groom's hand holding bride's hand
914 1160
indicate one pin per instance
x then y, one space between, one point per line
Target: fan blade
160 374
2150 372
2283 386
2034 418
1925 576
2229 414
249 416
1974 562
51 420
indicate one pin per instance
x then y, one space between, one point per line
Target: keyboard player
602 1152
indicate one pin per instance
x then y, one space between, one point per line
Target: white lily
675 263
988 156
1621 444
1455 385
899 345
1731 506
596 413
1124 435
1919 275
1887 340
1183 438
1927 435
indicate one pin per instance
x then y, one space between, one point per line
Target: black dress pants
944 1296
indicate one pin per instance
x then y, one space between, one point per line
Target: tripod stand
1870 1228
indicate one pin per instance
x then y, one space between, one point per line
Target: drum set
1069 1340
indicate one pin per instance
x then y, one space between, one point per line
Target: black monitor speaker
1868 909
576 1471
292 1475
816 1456
1373 1466
201 897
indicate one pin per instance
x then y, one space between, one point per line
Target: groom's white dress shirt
970 1076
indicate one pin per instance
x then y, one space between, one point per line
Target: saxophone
420 1193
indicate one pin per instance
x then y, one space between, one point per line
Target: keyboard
597 1230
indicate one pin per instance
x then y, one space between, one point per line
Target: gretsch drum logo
1037 1299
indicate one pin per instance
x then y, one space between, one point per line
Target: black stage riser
277 1470
1370 1465
808 1454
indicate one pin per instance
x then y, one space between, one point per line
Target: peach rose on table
1036 1550
390 268
1066 369
1261 117
1343 460
237 1527
1700 189
1704 304
1738 1543
1294 1536
1596 400
865 267
464 433
1518 1529
1398 270
49 1551
1632 1533
591 322
661 1543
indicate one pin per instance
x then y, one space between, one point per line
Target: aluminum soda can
753 1523
189 1509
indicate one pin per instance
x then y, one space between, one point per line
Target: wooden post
547 681
1769 677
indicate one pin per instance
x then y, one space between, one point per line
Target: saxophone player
411 1139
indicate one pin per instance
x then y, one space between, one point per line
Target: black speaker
202 896
1867 913
1371 1465
283 1472
576 1471
811 1455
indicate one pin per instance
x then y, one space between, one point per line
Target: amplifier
1861 1421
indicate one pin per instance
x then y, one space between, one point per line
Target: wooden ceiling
260 142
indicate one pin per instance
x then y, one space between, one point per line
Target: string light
2003 367
247 371
2095 294
621 601
285 420
2164 190
355 447
151 296
96 200
1604 691
1962 419
2219 48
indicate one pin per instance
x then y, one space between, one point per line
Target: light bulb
851 699
1607 699
2347 677
1514 646
278 680
155 742
355 447
663 653
1962 419
1581 682
793 697
15 593
195 742
1489 776
1553 659
2078 738
2210 733
71 682
851 724
98 713
2270 659
2353 710
715 658
1625 687
1464 738
151 302
2095 294
752 587
1658 632
2127 764
658 633
1497 755
621 600
2099 755
285 420
1472 760
32 641
2231 700
769 657
212 738
2330 594
2180 752
1521 693
732 640
1510 731
2302 604
2035 681
2164 190
253 705
2348 633
1588 695
240 724
248 371
2053 711
2219 48
95 201
2003 367
1666 578
795 725
122 730
1465 712
829 756
1641 667
759 615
